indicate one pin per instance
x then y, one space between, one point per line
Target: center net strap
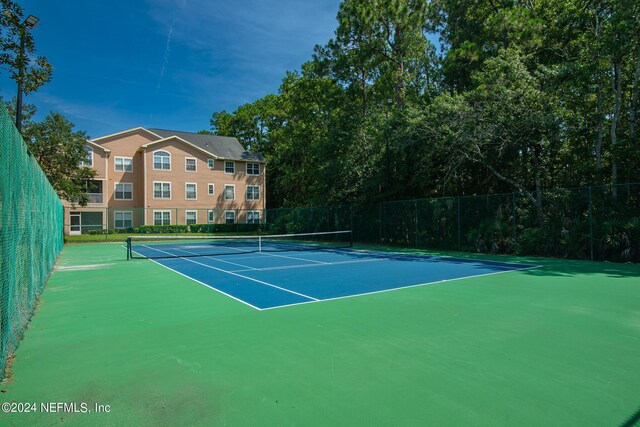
194 246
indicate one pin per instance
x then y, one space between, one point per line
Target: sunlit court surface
280 271
337 336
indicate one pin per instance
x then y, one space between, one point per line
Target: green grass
558 345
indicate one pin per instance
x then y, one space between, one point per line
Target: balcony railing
95 197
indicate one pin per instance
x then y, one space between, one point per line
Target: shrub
163 229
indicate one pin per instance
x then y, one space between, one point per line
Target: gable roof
224 147
177 138
100 147
124 132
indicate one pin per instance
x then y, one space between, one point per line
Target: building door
74 223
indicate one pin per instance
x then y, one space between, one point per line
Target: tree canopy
518 96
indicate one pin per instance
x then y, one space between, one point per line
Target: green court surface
557 345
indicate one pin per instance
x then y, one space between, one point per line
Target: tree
59 150
18 50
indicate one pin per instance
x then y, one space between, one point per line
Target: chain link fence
31 235
596 223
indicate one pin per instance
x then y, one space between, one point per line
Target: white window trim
235 220
185 190
161 210
253 174
253 212
153 160
88 149
234 191
195 162
115 188
153 190
115 214
225 167
211 216
190 211
115 164
209 186
211 163
246 194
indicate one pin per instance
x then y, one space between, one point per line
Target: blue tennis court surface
265 280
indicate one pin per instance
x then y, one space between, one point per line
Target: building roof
224 147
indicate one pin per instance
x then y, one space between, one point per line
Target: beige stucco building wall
140 145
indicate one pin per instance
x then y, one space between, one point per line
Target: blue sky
167 63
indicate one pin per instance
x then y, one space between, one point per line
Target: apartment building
161 177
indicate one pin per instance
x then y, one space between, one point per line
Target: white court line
239 275
403 287
313 300
310 265
248 268
202 283
292 257
251 278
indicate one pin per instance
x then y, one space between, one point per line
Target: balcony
95 198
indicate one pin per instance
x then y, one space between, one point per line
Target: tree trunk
363 77
598 148
615 119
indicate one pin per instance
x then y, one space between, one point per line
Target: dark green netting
31 235
598 223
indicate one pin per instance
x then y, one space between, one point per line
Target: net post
128 248
259 243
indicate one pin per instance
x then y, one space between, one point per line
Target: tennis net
156 246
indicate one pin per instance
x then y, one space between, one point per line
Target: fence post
515 237
351 218
106 219
590 225
458 219
380 221
415 207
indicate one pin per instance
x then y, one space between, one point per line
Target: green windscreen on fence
596 223
31 235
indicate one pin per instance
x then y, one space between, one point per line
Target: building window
191 191
253 192
211 189
88 157
210 163
123 219
162 161
191 217
253 217
229 217
161 217
161 190
253 168
190 164
210 215
229 192
229 167
124 164
124 191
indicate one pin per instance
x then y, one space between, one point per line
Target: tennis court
554 345
268 272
